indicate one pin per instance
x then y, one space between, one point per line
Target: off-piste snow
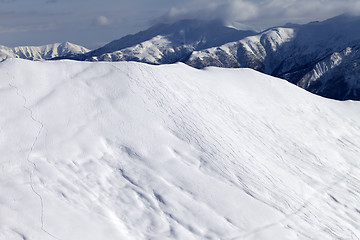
124 150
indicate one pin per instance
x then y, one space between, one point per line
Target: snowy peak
301 54
42 52
168 43
247 52
200 33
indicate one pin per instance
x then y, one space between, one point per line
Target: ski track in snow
41 126
142 152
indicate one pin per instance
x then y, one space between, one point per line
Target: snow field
133 151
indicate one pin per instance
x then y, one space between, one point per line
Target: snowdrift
133 151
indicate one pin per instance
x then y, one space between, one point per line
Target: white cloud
102 21
227 10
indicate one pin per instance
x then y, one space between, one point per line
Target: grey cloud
265 13
276 12
307 8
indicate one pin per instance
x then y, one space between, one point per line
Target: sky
93 23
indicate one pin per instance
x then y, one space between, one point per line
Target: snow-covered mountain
167 43
45 52
322 57
134 151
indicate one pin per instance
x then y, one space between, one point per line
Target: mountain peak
44 52
168 40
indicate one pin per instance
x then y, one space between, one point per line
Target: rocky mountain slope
45 52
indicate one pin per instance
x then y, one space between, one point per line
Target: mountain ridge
44 52
166 43
321 57
292 52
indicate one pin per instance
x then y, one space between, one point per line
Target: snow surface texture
134 151
42 52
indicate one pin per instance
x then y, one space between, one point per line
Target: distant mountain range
167 43
321 57
45 52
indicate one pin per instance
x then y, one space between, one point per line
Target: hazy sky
92 23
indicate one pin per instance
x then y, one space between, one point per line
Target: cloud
262 13
278 12
306 8
227 10
102 21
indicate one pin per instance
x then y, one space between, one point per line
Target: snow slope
134 151
42 52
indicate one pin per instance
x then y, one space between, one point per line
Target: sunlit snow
133 151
